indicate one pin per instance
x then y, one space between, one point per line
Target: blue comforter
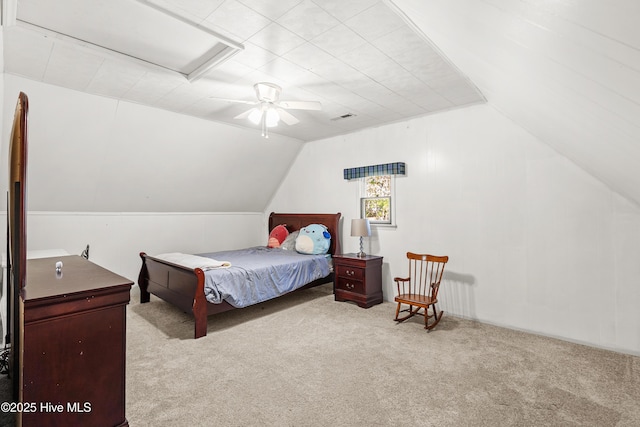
260 273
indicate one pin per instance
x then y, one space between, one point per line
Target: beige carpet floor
306 360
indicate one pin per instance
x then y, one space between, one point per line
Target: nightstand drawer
350 285
349 272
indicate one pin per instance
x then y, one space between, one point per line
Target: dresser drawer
350 285
349 272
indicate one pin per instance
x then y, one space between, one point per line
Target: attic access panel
139 30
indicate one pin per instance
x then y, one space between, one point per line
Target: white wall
535 243
117 238
90 153
568 72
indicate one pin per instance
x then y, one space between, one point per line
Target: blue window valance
373 170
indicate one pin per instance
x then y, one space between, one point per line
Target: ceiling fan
268 110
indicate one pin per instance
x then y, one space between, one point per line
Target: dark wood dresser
72 360
358 279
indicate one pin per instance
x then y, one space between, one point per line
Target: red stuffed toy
277 236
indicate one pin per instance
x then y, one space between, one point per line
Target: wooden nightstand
358 279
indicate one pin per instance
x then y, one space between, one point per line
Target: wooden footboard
180 286
184 287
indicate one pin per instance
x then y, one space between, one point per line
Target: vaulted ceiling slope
567 71
360 59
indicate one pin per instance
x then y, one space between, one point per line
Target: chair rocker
420 289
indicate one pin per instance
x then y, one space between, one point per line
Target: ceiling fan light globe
272 118
255 116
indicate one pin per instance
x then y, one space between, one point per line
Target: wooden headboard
297 221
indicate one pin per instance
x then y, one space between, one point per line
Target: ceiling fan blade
244 115
287 117
235 101
300 105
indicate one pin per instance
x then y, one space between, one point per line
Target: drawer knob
350 272
349 286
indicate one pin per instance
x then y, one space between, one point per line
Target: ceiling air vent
344 116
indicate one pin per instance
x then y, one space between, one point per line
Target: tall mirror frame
16 235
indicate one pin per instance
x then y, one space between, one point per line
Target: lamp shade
360 227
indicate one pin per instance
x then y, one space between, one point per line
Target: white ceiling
357 57
567 71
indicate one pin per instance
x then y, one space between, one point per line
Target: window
376 199
377 190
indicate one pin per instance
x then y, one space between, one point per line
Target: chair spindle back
425 273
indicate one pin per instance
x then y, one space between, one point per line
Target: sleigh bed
184 286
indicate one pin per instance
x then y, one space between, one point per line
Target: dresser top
78 275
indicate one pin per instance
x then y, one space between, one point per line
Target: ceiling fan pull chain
265 131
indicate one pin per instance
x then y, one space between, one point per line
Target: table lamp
360 227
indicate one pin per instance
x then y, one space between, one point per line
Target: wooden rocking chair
420 289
